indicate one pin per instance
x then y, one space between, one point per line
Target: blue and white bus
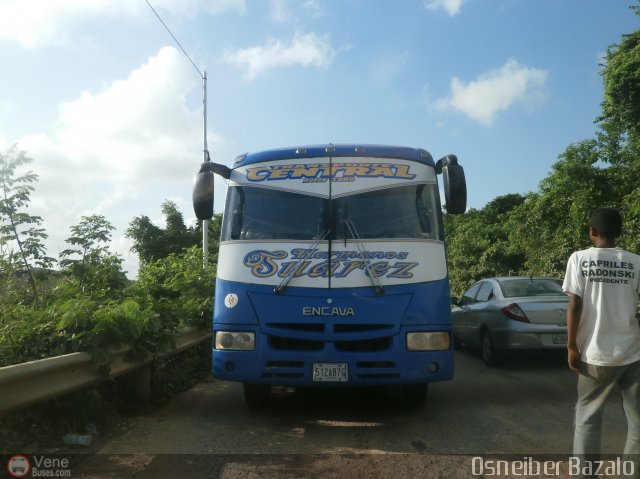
332 268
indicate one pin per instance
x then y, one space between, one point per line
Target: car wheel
257 395
490 355
414 396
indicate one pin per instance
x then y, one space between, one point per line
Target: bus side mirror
203 188
455 184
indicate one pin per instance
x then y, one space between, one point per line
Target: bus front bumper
306 364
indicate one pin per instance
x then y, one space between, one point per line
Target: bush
178 289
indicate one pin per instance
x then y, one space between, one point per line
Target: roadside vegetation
83 301
534 233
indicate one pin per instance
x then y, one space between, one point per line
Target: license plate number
331 372
559 339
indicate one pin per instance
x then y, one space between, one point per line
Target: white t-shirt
608 281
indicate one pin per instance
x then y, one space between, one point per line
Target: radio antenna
205 148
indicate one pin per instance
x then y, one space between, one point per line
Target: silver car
520 312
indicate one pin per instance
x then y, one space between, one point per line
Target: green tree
147 239
621 75
176 233
552 223
152 243
619 137
18 228
89 261
479 245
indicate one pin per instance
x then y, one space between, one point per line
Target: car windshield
411 212
531 287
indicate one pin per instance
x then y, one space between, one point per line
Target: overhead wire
175 39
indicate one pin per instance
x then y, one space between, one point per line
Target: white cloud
134 143
134 123
495 91
33 23
306 50
452 7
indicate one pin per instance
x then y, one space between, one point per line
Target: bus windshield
407 212
260 213
410 212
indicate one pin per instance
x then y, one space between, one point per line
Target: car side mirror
454 301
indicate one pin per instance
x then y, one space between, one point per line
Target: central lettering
338 172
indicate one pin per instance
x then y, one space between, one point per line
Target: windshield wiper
287 279
375 281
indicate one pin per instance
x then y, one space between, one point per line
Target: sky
102 98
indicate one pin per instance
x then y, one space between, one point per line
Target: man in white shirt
603 283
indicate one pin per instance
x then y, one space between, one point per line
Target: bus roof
341 150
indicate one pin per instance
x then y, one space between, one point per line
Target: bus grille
364 346
292 344
357 338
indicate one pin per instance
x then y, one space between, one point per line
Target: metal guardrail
26 384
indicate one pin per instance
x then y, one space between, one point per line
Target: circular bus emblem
231 300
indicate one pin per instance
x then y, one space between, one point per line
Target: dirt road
524 408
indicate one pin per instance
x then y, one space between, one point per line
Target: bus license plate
560 339
332 372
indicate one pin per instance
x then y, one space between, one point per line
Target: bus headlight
428 341
235 340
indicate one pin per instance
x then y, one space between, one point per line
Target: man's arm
574 310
